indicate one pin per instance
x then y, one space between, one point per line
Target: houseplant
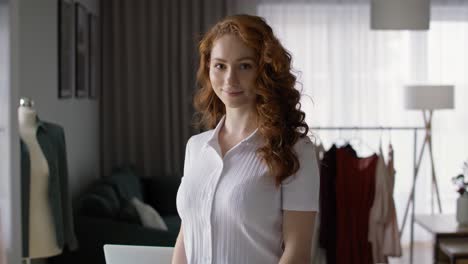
462 189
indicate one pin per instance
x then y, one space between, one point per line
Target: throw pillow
129 214
148 216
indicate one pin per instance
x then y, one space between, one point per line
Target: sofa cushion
101 201
126 183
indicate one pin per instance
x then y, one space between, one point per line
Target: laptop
124 254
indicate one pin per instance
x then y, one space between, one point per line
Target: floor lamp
427 98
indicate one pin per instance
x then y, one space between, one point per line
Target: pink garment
378 212
392 244
383 225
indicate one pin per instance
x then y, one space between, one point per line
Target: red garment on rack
355 187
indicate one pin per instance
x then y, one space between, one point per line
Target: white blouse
230 207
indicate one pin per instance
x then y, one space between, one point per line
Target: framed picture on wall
65 50
94 57
81 51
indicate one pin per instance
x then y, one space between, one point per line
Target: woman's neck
238 123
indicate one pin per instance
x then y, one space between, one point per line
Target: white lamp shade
429 97
400 14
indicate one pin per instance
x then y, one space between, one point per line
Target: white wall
38 69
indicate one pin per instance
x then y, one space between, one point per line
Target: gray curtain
149 65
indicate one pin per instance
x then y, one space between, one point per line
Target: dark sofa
104 215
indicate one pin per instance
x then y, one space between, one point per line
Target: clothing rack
415 168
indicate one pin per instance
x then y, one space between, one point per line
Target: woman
250 188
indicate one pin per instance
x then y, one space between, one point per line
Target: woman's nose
231 77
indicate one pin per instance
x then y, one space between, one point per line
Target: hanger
389 135
316 140
360 143
320 149
381 153
340 138
390 146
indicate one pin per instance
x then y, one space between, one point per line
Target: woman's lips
233 93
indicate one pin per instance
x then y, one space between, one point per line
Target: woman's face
233 72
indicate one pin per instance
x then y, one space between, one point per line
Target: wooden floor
422 254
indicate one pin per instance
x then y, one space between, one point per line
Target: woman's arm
179 256
298 228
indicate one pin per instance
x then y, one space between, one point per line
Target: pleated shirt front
231 209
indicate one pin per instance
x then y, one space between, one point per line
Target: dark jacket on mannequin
51 138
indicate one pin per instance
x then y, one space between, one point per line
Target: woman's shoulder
200 139
304 146
304 142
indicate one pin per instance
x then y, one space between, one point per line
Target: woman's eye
245 66
219 66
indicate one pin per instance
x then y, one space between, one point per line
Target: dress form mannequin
42 233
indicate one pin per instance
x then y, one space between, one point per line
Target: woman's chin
238 105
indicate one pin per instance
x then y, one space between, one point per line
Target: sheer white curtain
353 76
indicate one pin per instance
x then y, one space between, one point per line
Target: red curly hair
281 121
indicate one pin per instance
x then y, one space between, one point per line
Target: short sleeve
300 192
187 165
187 159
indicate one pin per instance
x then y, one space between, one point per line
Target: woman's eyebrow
239 59
246 58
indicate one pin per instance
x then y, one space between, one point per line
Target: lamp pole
428 125
427 141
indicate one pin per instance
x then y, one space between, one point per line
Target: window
352 76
